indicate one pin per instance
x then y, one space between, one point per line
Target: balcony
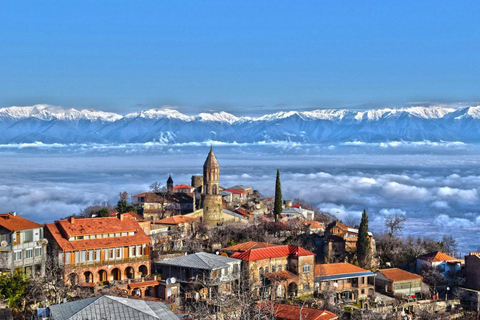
106 262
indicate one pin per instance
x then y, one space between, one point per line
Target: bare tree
394 223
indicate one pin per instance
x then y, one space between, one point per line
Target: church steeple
211 198
211 174
169 184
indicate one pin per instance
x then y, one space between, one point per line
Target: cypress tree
363 242
277 208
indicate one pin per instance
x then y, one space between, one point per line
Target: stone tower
170 184
211 198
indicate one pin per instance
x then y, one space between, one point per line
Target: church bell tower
211 198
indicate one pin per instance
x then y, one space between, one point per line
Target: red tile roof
395 274
175 220
235 191
143 284
273 252
438 256
242 212
140 195
290 312
315 224
336 268
183 186
296 206
16 223
245 246
62 230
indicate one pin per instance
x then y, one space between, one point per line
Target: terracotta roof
175 220
241 247
59 230
183 186
134 215
280 275
273 252
16 223
315 224
338 224
438 256
143 284
242 212
290 312
234 191
140 195
336 268
395 274
296 206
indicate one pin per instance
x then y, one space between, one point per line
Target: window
286 266
235 268
306 268
279 267
266 269
79 237
38 252
131 233
306 286
273 269
110 254
82 256
124 234
117 234
105 235
139 251
87 237
28 253
97 255
99 236
17 255
93 236
260 271
112 235
71 239
119 253
132 251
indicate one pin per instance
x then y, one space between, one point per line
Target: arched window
260 271
273 269
266 269
214 189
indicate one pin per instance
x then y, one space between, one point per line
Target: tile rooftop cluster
272 252
15 223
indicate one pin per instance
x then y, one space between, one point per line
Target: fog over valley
435 185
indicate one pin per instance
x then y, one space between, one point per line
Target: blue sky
239 56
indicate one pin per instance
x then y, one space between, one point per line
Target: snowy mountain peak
48 112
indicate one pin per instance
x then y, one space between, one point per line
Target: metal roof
345 276
110 308
199 260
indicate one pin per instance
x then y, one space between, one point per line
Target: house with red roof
185 188
291 312
279 271
447 265
350 283
22 245
396 281
96 251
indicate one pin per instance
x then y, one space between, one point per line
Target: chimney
14 213
72 220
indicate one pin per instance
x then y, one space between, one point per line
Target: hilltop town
205 251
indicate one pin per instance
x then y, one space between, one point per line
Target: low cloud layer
438 194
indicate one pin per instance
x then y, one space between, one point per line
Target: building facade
396 281
349 282
22 245
101 251
279 271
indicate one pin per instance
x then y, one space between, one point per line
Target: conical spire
211 161
169 180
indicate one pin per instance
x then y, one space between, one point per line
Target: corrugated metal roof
110 308
199 260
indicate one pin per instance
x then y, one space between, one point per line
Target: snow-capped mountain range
49 124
